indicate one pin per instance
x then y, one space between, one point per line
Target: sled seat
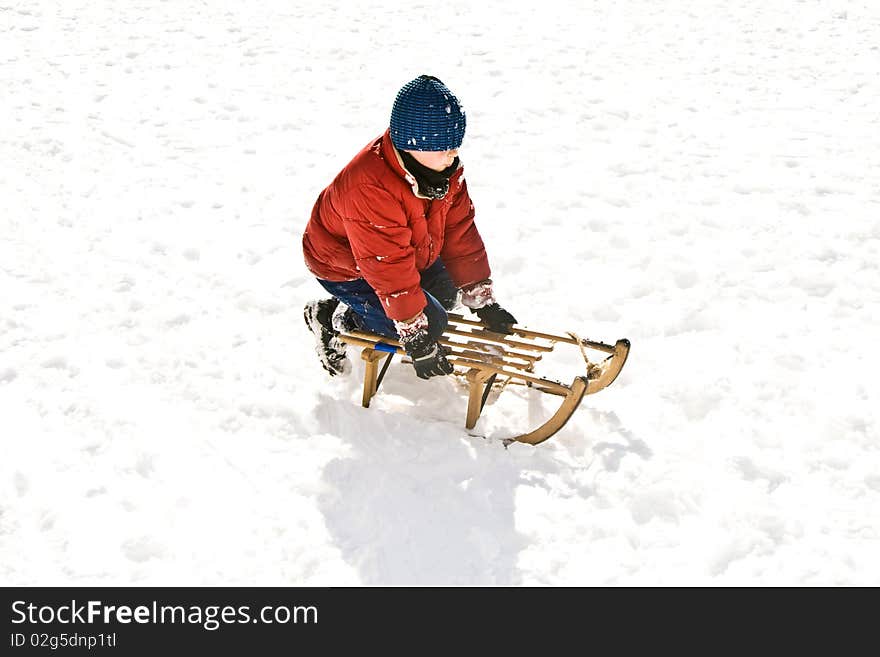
483 357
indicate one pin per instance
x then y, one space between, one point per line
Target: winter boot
330 349
345 319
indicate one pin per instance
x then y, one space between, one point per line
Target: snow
701 177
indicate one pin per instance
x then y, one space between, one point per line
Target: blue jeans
369 314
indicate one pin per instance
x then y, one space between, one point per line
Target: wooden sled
482 356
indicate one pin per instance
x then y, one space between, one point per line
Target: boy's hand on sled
480 298
495 318
428 356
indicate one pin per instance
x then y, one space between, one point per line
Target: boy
393 237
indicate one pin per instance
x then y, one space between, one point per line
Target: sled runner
484 357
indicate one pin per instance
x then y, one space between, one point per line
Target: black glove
495 318
428 356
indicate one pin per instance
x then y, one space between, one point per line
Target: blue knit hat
427 117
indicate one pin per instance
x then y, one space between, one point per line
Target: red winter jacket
370 223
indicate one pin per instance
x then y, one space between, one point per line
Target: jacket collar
392 157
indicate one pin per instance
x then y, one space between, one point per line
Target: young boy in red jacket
393 237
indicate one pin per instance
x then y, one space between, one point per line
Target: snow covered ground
699 176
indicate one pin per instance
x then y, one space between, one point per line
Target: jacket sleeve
463 251
381 241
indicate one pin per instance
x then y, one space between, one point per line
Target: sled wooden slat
365 342
494 369
526 333
492 360
499 338
493 350
486 355
539 388
472 344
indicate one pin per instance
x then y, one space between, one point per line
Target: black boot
330 349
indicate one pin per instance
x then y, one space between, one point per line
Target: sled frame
482 356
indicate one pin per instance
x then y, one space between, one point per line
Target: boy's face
435 160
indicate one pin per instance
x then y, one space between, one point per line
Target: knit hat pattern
427 117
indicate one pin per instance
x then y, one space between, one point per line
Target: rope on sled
580 344
594 370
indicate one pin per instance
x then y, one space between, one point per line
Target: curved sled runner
482 357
